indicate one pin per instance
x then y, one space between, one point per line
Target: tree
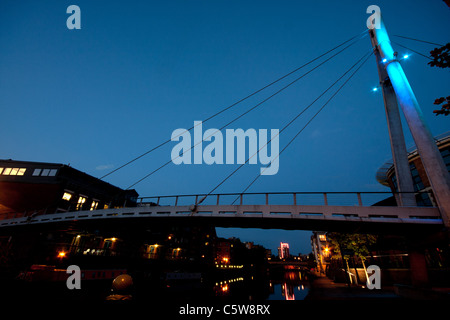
441 59
445 108
349 245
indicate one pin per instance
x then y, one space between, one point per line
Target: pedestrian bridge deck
282 216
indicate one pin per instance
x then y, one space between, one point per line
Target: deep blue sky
137 70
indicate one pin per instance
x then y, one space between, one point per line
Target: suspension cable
298 133
246 112
421 54
236 103
418 40
366 56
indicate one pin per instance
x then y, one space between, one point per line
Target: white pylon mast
429 153
398 146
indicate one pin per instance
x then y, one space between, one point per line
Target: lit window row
94 205
12 171
45 172
228 266
81 200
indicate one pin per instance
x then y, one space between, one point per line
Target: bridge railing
267 198
257 198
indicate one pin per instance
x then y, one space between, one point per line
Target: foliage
441 59
445 108
351 244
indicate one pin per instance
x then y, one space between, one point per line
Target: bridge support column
398 146
429 154
417 261
418 265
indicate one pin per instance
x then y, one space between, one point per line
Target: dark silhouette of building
41 188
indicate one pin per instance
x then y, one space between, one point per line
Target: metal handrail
240 196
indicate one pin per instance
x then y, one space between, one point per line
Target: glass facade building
424 195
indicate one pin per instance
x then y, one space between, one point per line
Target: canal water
219 287
281 285
289 291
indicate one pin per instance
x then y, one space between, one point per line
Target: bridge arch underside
377 220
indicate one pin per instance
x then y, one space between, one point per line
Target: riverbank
323 288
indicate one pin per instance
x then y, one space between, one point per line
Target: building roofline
34 162
381 175
61 165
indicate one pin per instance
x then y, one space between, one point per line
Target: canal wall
389 277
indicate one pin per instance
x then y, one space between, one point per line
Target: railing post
267 199
157 203
359 199
295 199
325 198
217 203
240 201
196 199
176 201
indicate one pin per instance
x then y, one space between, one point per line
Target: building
30 188
283 250
390 251
36 188
223 251
424 196
321 249
233 252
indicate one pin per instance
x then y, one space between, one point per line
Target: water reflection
286 291
222 287
294 286
236 285
289 285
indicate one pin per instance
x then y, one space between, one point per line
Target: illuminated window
81 201
94 205
1 169
67 196
322 237
13 171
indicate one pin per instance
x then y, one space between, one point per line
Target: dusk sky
136 71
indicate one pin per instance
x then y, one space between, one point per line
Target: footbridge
280 210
